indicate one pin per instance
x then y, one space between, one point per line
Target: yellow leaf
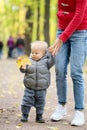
85 106
23 60
53 128
18 115
7 122
65 123
47 108
86 71
19 125
16 105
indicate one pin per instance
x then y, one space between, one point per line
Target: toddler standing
36 80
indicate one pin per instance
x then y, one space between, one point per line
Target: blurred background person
10 44
1 49
20 45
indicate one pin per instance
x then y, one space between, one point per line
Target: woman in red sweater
70 46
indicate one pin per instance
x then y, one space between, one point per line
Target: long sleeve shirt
72 16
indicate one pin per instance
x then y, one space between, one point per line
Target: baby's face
37 53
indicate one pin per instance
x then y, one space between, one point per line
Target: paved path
11 92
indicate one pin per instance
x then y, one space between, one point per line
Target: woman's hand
56 46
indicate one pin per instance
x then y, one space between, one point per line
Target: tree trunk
28 32
38 21
46 23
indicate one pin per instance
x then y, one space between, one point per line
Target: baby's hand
23 66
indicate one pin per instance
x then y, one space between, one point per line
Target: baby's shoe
24 118
39 118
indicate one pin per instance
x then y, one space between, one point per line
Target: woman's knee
60 72
76 74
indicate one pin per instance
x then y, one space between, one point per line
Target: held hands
56 46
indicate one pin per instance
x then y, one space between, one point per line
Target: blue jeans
0 53
73 51
20 51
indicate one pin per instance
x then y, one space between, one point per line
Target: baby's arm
51 60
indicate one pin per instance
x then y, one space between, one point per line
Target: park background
33 19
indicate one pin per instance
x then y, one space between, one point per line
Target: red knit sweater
72 16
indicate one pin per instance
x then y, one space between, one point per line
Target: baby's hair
43 44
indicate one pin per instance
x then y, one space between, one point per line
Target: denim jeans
20 51
73 51
0 53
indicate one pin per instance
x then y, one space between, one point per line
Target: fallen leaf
7 122
16 105
85 107
65 123
18 115
19 125
53 128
